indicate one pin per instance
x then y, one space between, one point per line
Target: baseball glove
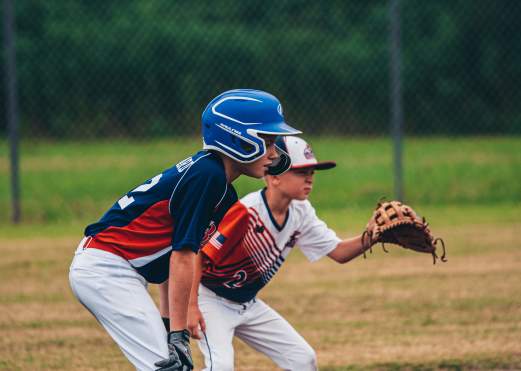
397 223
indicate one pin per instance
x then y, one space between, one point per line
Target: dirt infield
394 311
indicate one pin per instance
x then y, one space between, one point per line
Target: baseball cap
301 154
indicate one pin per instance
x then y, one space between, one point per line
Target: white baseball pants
256 324
117 296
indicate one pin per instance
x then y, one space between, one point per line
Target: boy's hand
195 321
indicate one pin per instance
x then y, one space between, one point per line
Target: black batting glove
180 357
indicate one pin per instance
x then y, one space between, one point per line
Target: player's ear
272 180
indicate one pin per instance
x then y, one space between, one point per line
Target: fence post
396 95
12 105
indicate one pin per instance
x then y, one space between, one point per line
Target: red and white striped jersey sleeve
229 234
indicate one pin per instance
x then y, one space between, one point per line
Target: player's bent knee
303 359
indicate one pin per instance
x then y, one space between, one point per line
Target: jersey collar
273 221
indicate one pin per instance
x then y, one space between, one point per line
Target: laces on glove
443 256
397 223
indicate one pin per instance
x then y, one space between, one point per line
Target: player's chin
303 195
306 192
257 173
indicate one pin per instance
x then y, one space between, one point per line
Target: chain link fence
144 69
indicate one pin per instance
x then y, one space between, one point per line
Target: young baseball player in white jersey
251 243
151 234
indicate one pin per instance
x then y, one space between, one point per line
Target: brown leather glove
397 223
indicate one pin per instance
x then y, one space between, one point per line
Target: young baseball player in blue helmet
152 233
251 243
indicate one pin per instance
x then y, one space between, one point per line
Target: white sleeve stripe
224 194
144 260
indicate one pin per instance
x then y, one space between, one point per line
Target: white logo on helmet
279 109
227 128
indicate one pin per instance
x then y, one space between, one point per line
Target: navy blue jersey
176 209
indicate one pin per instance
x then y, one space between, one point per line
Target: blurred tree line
147 68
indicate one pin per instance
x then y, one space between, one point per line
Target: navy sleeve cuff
182 245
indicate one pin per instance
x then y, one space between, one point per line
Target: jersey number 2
126 200
238 279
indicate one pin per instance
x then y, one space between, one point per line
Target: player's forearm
163 299
180 284
198 269
348 249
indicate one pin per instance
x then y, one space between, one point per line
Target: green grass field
78 181
389 312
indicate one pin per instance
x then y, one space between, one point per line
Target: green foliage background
91 68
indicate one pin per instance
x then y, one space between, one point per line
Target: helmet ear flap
281 164
246 147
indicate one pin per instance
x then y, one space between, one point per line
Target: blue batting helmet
233 121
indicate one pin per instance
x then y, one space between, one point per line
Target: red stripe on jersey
270 250
265 236
230 267
259 220
232 228
260 249
259 244
212 272
249 269
147 234
248 244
